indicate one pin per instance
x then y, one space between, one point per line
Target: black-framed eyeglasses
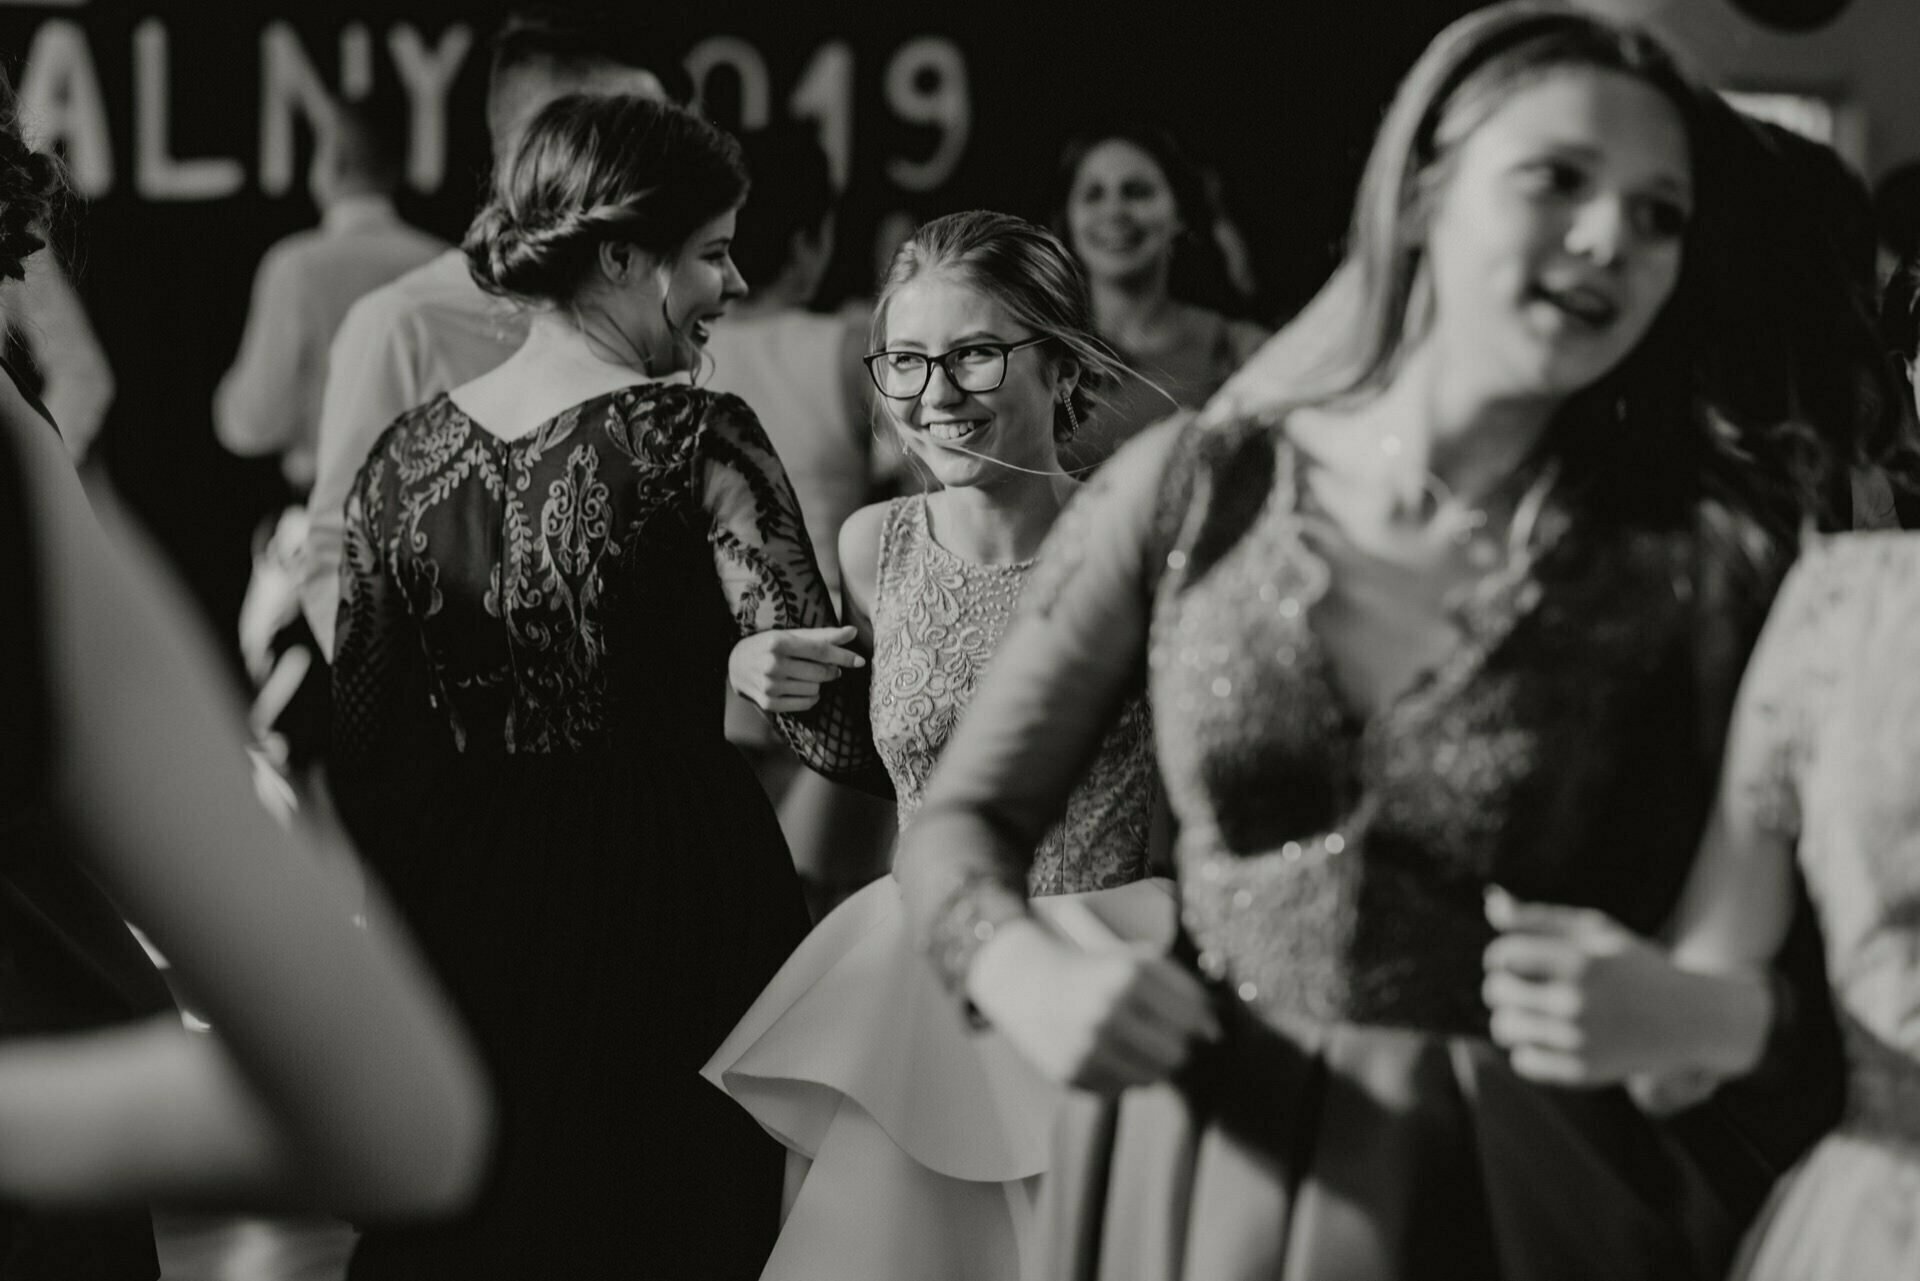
976 367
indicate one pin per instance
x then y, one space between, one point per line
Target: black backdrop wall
183 125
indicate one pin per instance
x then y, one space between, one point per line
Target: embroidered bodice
1334 867
575 590
937 620
1830 737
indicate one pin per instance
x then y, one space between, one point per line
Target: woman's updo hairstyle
1027 271
592 170
30 186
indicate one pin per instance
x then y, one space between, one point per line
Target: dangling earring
1073 418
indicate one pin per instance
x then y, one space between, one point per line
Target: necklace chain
1468 525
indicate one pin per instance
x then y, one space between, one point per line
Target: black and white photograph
757 641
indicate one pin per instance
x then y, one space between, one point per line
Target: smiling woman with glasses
918 1158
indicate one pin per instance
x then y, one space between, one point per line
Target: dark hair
576 37
1698 408
792 195
1899 331
1900 309
1843 387
30 189
369 141
1028 271
594 170
1198 273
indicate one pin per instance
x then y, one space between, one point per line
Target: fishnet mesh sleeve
772 582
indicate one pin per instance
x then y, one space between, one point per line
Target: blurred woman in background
1138 217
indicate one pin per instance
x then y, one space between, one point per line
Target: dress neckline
1486 614
925 531
540 429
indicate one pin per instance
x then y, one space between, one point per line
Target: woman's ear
620 262
1066 373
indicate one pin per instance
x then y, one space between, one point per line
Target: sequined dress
1356 1122
528 748
1833 700
927 1138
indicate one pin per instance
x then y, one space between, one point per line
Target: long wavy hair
1703 405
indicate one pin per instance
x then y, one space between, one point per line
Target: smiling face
1122 218
1557 238
696 287
936 313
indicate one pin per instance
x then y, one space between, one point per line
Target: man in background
269 402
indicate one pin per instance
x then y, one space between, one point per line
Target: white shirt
400 346
269 402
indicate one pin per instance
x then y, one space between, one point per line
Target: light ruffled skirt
1851 1209
927 1138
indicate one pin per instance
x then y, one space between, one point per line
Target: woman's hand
1097 1020
1578 999
782 671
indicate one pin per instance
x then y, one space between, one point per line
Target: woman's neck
1432 421
1137 314
556 343
1000 523
556 368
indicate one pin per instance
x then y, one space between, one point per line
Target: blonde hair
1027 271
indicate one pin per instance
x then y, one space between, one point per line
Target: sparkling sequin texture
1335 868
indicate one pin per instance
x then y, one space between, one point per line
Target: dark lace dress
528 688
1357 1122
67 961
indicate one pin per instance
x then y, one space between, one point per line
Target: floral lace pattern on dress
505 583
937 621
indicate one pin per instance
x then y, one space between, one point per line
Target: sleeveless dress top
937 620
926 1138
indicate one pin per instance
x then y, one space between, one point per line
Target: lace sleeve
772 581
1075 652
378 670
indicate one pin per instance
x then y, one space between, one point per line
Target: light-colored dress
926 1136
1833 700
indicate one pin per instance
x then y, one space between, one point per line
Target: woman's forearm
113 1115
